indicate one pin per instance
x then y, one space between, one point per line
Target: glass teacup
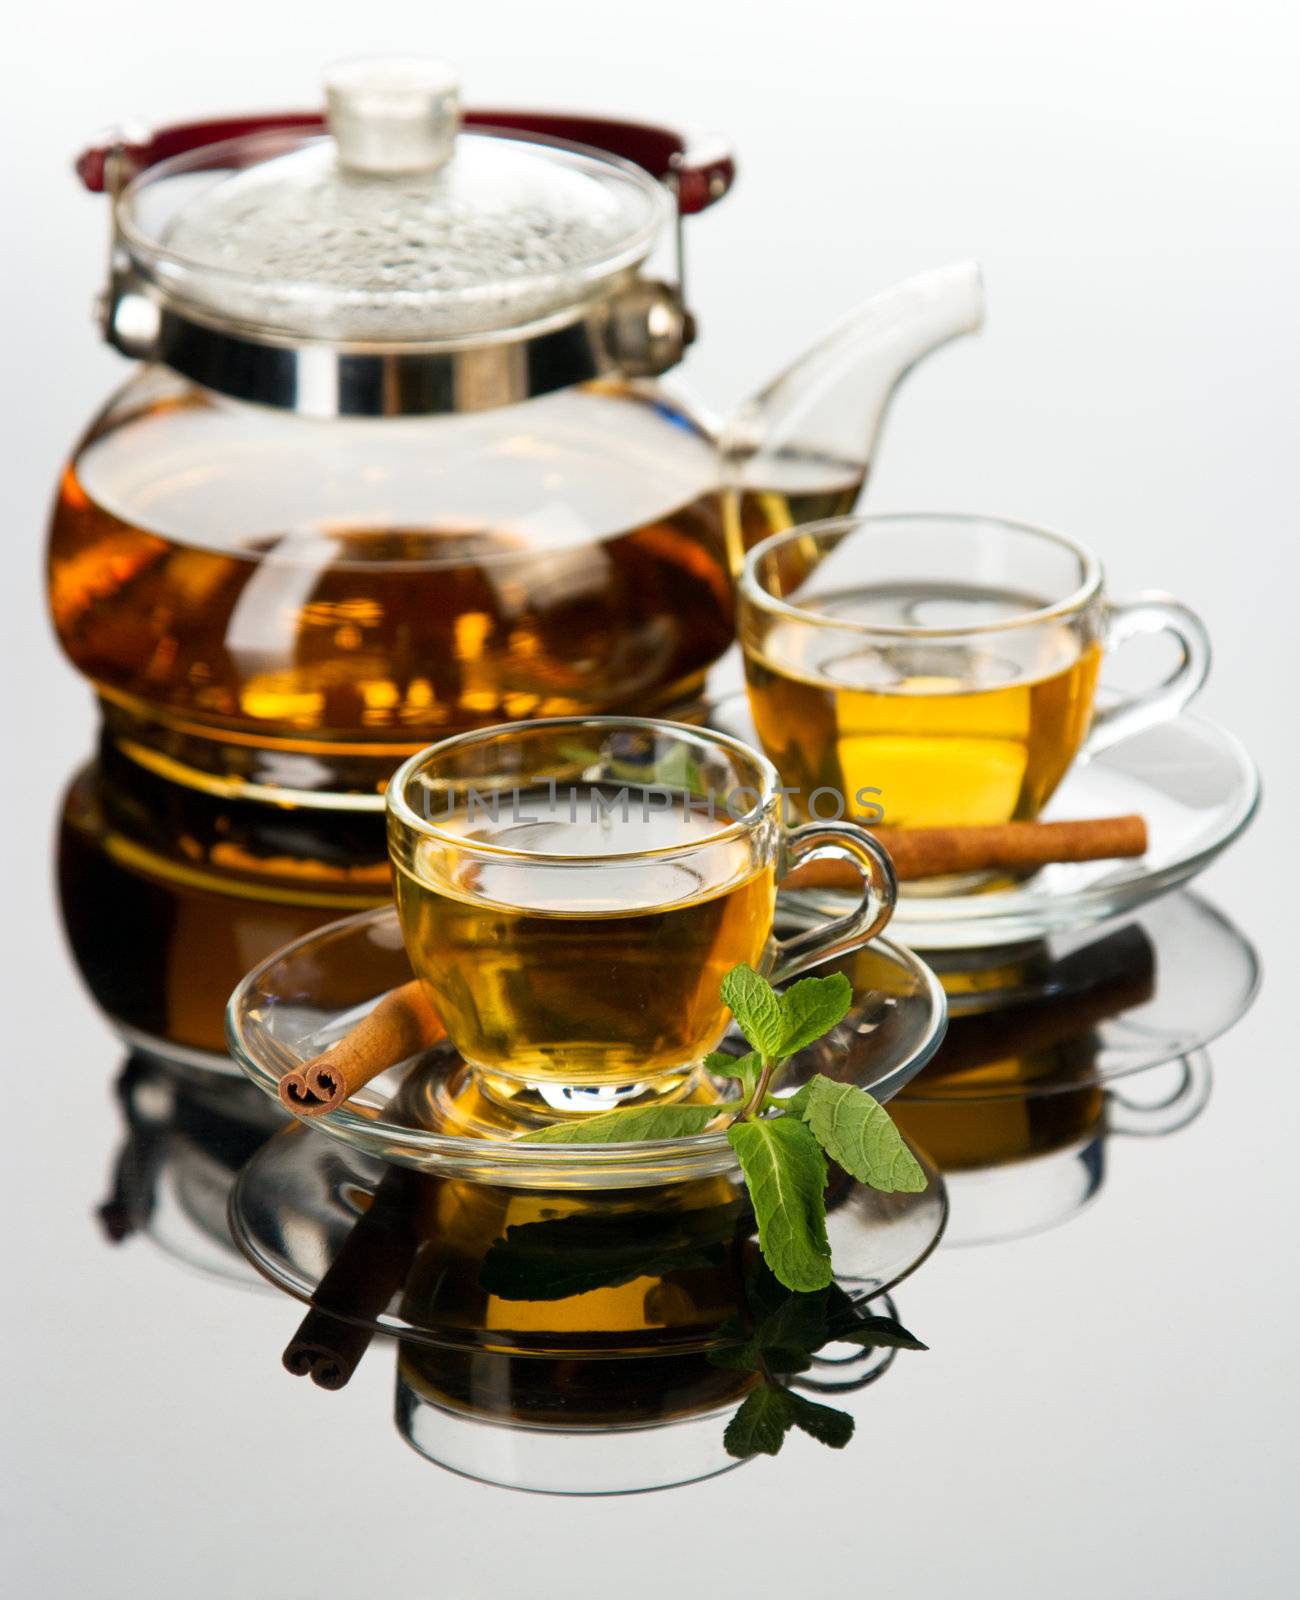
572 892
941 669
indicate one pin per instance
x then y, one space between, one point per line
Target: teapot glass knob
393 115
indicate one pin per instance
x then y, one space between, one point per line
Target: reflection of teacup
971 1134
574 1274
577 1341
1012 1109
574 1327
1016 1166
595 1427
1021 1020
941 668
577 1334
572 893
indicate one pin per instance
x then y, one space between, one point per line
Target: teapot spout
802 447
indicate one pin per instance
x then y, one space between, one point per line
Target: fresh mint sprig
780 1143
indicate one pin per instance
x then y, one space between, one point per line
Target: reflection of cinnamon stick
1009 846
402 1024
1106 978
326 1349
370 1268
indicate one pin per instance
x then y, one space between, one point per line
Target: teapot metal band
639 333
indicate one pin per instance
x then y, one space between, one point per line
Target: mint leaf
636 1123
824 1423
857 1132
757 1009
796 1104
760 1426
811 1008
746 1068
785 1173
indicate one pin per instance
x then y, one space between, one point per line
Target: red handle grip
699 176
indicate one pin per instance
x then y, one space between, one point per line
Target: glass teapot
397 462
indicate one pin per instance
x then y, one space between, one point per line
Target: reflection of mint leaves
785 1331
768 1414
824 1423
760 1426
676 769
874 1333
773 1335
556 1257
778 1142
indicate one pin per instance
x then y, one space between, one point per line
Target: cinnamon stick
402 1024
1008 846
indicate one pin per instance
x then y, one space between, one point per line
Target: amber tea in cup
573 891
941 669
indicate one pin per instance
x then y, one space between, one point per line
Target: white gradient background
1110 1409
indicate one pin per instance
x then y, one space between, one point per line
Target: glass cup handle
879 892
1143 614
1175 1111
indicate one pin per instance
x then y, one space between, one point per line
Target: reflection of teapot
187 1135
197 889
397 462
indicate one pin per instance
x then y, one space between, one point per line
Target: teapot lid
395 229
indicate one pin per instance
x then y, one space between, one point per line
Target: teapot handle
698 176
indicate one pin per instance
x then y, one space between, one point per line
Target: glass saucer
313 991
1081 1009
1192 781
652 1272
